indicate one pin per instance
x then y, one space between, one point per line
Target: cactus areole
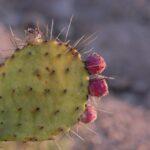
43 90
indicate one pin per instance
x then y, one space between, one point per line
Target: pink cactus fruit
98 87
89 115
95 63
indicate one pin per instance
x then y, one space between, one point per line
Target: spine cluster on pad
44 89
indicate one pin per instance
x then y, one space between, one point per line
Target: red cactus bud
98 87
95 64
89 115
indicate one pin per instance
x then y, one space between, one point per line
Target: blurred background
122 29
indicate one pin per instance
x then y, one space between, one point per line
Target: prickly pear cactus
44 89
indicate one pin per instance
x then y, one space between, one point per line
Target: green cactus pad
43 90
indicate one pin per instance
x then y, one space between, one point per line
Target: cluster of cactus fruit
44 89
